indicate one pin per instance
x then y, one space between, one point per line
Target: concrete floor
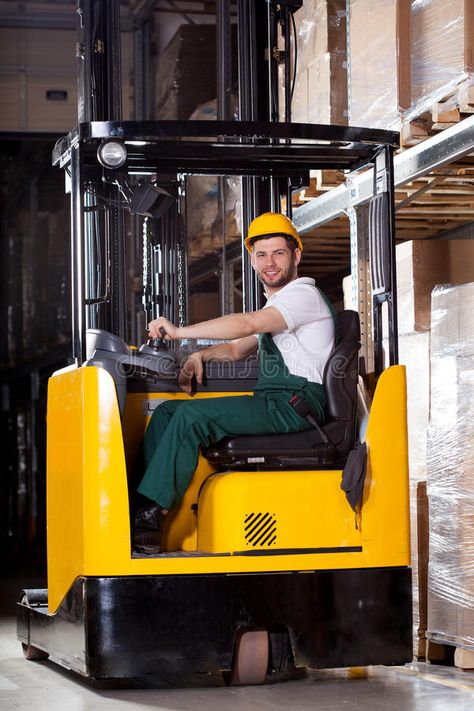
43 686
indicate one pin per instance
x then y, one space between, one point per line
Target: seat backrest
341 372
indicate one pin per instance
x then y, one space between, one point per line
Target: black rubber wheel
251 657
33 654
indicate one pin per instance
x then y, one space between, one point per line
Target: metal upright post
224 60
247 42
224 81
77 257
392 301
84 66
382 255
361 294
100 99
286 15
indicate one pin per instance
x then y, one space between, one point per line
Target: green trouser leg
178 428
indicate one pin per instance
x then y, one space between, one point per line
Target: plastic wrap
441 36
451 468
414 352
404 56
320 93
373 64
204 219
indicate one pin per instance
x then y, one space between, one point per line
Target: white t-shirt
309 339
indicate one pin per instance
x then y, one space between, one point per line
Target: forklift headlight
112 154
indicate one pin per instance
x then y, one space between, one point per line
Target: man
294 334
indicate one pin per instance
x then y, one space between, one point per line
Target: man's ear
252 258
297 256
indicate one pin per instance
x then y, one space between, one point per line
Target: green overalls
179 427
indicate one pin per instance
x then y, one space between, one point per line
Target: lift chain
180 284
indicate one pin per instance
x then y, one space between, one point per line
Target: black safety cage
162 153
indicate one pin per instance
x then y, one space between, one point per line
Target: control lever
158 344
158 348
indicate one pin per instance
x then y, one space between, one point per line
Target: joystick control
158 348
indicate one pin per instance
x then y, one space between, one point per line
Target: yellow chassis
88 504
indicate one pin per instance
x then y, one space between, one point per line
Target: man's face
274 262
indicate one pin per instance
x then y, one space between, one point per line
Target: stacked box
379 67
405 56
421 264
442 35
320 94
451 468
414 350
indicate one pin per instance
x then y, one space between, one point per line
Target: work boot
147 529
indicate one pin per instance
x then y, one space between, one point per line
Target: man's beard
283 279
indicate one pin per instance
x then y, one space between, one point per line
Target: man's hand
192 366
171 331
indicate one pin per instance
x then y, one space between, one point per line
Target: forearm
221 351
231 326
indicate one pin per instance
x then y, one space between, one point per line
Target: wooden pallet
441 115
449 654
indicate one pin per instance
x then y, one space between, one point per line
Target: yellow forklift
287 551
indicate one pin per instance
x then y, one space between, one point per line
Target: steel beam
439 150
464 231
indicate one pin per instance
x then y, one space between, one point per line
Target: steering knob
157 344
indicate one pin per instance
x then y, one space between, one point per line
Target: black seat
308 449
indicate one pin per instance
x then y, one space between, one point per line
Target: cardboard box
450 460
379 62
421 265
405 56
461 260
442 33
414 354
320 94
452 332
450 571
203 306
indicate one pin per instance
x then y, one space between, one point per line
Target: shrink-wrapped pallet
421 265
378 58
451 468
320 92
442 35
414 350
404 56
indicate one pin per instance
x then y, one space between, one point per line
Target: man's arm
236 350
268 320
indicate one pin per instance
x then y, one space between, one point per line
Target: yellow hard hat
272 224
